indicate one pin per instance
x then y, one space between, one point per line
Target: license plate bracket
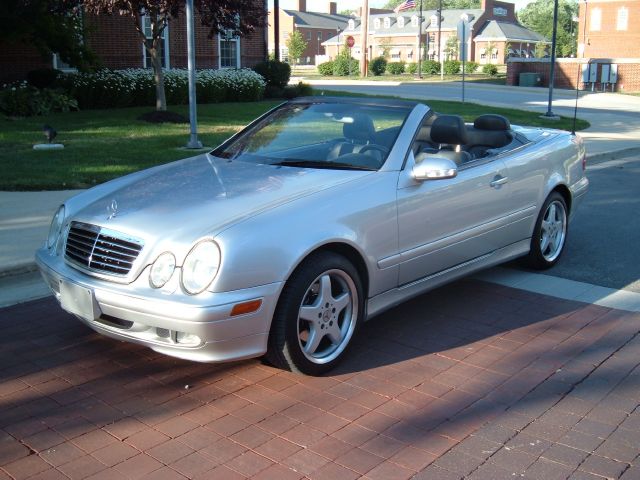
79 300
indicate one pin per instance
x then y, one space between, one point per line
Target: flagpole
420 43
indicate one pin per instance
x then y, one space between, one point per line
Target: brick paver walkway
473 380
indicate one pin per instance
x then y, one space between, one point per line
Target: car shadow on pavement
419 379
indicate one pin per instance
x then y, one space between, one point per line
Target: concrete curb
22 268
18 269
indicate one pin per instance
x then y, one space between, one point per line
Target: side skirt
389 299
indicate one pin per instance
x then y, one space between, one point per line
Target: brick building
315 27
495 34
609 29
117 44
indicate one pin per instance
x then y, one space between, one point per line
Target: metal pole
276 29
364 32
420 42
463 50
191 65
440 39
552 72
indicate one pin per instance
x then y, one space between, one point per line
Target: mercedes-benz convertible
319 215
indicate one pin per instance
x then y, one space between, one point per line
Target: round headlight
162 269
56 227
200 267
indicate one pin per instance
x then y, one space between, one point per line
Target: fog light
187 338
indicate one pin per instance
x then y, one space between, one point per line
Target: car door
447 222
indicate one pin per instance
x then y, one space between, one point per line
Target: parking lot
473 380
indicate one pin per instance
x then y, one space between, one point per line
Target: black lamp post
552 72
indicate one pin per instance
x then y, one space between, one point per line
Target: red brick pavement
473 380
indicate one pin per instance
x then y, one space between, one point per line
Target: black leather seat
450 132
489 131
357 134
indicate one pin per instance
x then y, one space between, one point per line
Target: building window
163 48
500 12
387 22
319 36
376 23
352 25
229 49
308 35
400 22
596 20
623 18
415 20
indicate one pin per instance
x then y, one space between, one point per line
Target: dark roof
495 30
318 20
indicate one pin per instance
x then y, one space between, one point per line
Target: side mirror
434 168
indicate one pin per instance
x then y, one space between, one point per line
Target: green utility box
530 80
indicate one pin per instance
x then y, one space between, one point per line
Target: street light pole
552 71
420 42
191 65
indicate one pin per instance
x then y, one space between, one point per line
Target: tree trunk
158 76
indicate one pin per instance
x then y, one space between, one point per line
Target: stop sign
351 41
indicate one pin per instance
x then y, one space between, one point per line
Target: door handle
499 181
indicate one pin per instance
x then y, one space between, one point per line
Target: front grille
101 250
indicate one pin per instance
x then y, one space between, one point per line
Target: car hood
183 201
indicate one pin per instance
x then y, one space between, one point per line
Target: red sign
351 41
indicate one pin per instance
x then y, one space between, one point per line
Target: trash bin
530 80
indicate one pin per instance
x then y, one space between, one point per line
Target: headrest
361 129
492 121
449 129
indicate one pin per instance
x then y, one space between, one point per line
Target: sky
321 5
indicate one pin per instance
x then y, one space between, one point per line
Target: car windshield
320 135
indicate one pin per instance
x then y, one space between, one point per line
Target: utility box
530 80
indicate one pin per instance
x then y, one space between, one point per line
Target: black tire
327 288
549 234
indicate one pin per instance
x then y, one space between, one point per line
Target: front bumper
198 328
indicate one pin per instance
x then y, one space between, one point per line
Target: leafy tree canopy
538 16
296 45
433 4
48 25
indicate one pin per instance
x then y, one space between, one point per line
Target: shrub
275 73
326 68
299 90
377 66
412 68
135 87
430 67
395 68
490 69
273 92
43 77
343 66
23 100
451 67
471 67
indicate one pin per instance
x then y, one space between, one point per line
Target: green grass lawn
104 144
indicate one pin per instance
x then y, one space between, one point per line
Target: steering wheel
373 146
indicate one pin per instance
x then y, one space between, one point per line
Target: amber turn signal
246 307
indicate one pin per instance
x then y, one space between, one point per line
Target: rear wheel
550 233
317 315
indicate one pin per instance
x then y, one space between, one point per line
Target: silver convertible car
314 218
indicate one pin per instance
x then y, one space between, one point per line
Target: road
604 237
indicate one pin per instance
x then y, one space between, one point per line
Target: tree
451 48
541 50
233 17
433 4
385 45
538 16
296 45
48 25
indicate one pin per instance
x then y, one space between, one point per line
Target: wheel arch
350 253
563 190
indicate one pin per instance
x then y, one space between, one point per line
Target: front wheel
550 233
317 315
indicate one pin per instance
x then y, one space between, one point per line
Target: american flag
405 6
